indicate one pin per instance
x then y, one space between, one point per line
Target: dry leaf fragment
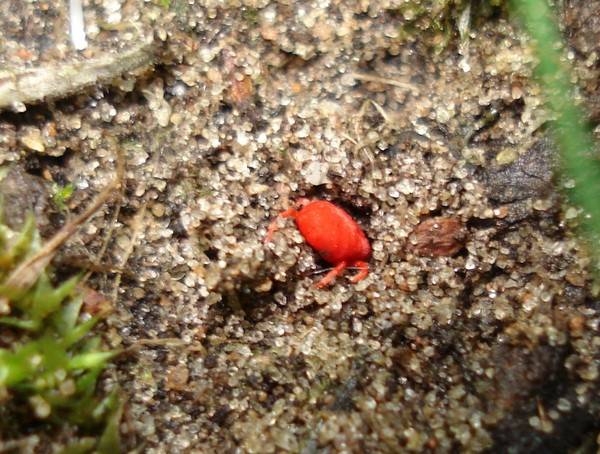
440 236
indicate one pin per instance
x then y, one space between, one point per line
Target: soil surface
475 331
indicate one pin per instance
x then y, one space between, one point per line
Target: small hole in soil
358 207
480 224
35 164
212 253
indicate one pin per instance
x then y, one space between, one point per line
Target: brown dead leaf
440 236
177 378
94 302
241 91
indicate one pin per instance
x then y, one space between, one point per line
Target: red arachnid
333 233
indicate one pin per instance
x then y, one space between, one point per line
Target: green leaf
110 441
25 240
4 230
106 405
46 299
90 360
54 356
91 344
86 384
13 294
5 367
78 332
29 325
61 195
81 446
66 319
16 367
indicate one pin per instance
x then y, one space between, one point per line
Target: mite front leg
273 227
329 277
363 271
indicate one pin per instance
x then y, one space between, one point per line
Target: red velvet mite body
333 233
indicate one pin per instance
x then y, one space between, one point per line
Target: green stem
579 160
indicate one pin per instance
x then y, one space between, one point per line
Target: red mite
333 233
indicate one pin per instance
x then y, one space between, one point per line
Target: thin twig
384 80
27 273
347 137
93 267
381 111
163 342
137 228
107 237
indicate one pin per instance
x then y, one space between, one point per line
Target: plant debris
438 237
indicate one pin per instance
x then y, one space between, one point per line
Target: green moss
61 194
250 15
49 360
437 22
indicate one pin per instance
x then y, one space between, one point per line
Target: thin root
137 228
27 273
384 80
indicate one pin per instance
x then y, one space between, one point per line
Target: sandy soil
226 113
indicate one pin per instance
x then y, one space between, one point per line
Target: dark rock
582 30
528 176
523 373
530 380
22 194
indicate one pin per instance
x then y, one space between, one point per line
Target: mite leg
302 202
362 273
329 277
289 213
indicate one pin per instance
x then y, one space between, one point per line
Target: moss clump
437 21
49 361
61 194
